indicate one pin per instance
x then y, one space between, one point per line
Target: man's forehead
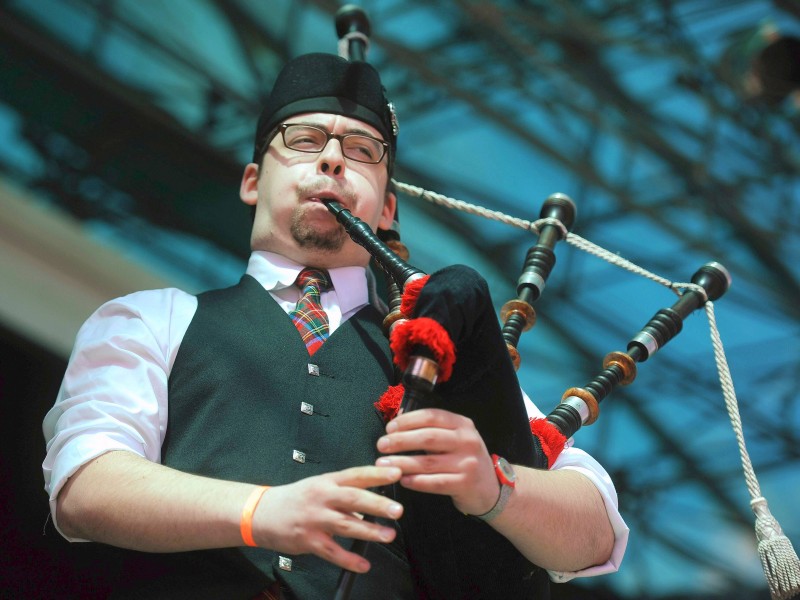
335 123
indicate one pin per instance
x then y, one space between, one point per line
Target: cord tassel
778 557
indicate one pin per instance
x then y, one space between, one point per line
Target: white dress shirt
114 392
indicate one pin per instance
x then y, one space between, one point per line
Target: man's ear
387 215
248 189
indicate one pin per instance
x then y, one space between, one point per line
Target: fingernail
395 510
387 535
383 443
384 462
363 565
391 426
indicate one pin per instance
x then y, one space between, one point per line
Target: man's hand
303 517
557 519
455 462
128 501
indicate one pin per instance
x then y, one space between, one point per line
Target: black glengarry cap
327 83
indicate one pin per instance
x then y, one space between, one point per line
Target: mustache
327 187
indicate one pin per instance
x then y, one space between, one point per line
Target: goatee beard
309 237
306 232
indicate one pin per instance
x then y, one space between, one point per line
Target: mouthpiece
334 207
361 234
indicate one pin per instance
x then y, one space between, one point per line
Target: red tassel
389 402
552 440
426 332
411 294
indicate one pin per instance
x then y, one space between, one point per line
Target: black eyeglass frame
340 137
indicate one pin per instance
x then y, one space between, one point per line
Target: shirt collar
276 272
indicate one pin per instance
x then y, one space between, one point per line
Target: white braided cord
535 226
778 558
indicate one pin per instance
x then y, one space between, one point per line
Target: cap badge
393 116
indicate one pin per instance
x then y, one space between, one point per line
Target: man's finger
367 476
326 548
427 417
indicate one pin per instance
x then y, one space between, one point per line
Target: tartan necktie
308 316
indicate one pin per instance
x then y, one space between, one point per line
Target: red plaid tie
308 316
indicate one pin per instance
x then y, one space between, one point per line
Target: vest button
313 370
285 563
306 408
298 456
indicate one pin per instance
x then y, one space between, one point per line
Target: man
176 409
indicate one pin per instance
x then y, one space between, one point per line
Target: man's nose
331 160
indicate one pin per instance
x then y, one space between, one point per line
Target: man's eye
366 151
364 148
304 138
307 140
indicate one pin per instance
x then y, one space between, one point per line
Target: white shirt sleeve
577 460
114 392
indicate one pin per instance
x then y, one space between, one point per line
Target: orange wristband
246 523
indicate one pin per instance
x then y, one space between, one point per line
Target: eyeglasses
355 146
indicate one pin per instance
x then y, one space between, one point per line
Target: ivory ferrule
579 405
424 368
647 341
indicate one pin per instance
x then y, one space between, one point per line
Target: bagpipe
454 354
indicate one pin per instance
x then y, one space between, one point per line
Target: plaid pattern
308 316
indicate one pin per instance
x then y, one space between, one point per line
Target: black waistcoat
247 403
